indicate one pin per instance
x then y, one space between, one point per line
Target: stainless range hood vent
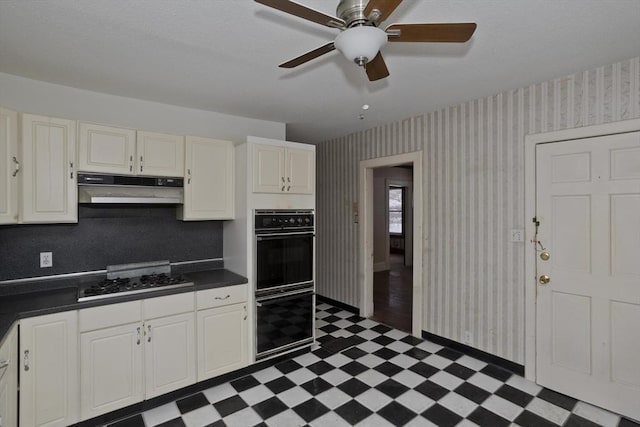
94 188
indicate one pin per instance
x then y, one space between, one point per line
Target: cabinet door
9 380
169 354
209 186
301 171
268 169
48 161
49 370
106 149
111 367
9 166
222 340
160 154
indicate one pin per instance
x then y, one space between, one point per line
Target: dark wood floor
392 294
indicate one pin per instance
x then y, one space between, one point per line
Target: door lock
545 256
544 279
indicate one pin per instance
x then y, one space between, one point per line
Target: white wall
473 276
32 96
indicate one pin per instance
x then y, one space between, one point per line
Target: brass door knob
545 256
544 279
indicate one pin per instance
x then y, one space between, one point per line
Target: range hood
94 188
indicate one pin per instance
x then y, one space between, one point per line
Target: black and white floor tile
388 378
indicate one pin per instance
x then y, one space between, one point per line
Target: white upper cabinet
268 175
300 171
159 154
120 151
209 180
49 163
106 149
9 166
280 169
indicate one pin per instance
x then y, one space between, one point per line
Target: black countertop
37 297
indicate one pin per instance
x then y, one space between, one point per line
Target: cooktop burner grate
119 286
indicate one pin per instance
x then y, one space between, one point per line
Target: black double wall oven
284 280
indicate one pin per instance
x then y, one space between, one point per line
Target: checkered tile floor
388 379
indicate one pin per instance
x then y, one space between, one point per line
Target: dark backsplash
107 235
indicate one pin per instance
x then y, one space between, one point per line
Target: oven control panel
283 220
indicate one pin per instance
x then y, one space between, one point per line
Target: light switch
517 235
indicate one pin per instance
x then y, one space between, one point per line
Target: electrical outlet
468 337
46 259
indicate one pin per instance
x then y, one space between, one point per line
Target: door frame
365 201
531 283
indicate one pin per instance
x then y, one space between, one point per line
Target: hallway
392 294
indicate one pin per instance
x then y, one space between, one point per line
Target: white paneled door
588 314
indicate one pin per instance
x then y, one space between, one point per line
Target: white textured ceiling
222 55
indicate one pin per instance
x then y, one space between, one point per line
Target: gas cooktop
129 279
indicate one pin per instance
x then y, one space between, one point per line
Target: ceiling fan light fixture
360 44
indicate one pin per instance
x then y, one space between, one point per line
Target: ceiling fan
361 39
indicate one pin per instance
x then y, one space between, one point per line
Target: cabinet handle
289 179
288 187
140 163
71 170
138 336
188 176
223 298
17 169
130 163
282 179
283 188
245 312
149 333
26 360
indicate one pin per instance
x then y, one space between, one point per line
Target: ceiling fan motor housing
362 39
352 12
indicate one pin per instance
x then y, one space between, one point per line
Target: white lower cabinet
49 370
9 380
111 369
222 331
78 365
135 351
169 354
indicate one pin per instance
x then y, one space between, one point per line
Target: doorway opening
391 283
392 246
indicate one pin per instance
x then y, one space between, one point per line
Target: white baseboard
380 266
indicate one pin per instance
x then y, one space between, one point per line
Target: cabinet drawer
221 296
110 315
168 305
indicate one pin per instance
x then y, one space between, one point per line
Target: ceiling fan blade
376 69
304 12
384 7
308 56
452 33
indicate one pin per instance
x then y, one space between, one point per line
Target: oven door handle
275 236
272 299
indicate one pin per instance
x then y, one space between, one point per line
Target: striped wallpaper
474 195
